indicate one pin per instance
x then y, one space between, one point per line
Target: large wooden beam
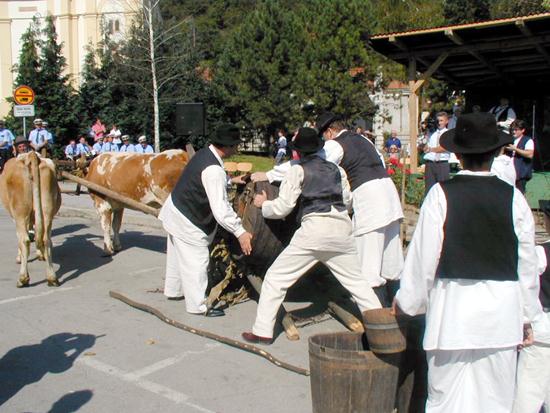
430 71
527 32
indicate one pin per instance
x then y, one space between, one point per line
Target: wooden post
413 114
348 319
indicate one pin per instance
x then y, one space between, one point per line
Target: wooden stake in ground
348 319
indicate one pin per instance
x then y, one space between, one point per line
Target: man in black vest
471 267
321 190
534 361
504 114
190 215
523 151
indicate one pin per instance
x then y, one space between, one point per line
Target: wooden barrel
270 236
346 377
384 333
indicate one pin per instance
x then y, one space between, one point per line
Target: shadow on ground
27 364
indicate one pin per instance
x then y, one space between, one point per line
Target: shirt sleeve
530 145
214 181
278 172
332 151
418 274
289 192
346 189
509 119
524 226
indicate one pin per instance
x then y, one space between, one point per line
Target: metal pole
24 126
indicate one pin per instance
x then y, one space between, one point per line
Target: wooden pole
413 114
129 202
348 319
290 328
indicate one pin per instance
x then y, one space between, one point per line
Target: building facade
78 23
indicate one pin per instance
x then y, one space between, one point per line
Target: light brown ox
30 193
147 178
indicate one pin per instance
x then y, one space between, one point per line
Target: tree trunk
156 120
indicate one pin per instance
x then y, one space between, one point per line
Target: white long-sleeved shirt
541 325
511 116
375 203
462 313
214 180
319 231
503 167
433 142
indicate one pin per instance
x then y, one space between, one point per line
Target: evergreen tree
54 94
511 8
466 11
29 64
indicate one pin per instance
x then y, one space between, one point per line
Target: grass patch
259 163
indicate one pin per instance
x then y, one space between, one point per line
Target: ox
147 178
30 194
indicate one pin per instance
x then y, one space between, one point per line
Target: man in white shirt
504 115
98 146
6 144
71 150
142 146
471 267
190 215
281 146
435 156
83 147
321 190
503 167
523 151
38 137
126 145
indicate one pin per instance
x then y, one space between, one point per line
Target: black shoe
181 297
214 312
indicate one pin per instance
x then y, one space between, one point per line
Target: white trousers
533 380
186 273
294 262
381 254
472 381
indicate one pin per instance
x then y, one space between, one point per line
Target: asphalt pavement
73 348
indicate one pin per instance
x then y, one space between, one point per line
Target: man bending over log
322 191
190 216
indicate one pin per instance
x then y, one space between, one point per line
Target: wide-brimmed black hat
20 139
475 133
306 141
324 120
227 135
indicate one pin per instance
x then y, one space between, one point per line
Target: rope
225 340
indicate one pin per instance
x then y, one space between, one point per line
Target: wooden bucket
384 333
346 377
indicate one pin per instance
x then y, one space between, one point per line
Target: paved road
75 348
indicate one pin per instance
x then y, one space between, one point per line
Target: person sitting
108 145
21 146
126 145
38 137
98 146
71 150
392 140
322 191
115 134
142 146
6 144
83 147
98 129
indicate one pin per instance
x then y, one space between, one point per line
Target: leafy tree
466 11
55 95
399 15
510 8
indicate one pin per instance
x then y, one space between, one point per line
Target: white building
78 23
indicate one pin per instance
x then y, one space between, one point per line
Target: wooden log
190 151
129 202
290 328
348 319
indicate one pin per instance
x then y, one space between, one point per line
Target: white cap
45 123
37 120
142 138
125 137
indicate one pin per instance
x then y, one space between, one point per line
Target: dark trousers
5 154
435 172
521 184
386 292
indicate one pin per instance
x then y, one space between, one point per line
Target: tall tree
29 63
510 8
55 95
466 11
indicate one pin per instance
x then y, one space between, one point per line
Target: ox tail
33 162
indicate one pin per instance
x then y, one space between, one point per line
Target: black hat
307 141
324 120
227 135
19 140
475 133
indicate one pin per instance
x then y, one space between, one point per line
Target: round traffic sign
23 95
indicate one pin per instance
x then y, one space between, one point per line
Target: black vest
189 195
479 239
322 187
524 166
361 161
503 115
544 294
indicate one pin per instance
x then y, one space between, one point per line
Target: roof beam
520 24
460 42
430 71
402 46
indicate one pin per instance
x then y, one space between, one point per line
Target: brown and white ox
31 195
147 178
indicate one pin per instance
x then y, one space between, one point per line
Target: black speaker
190 119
